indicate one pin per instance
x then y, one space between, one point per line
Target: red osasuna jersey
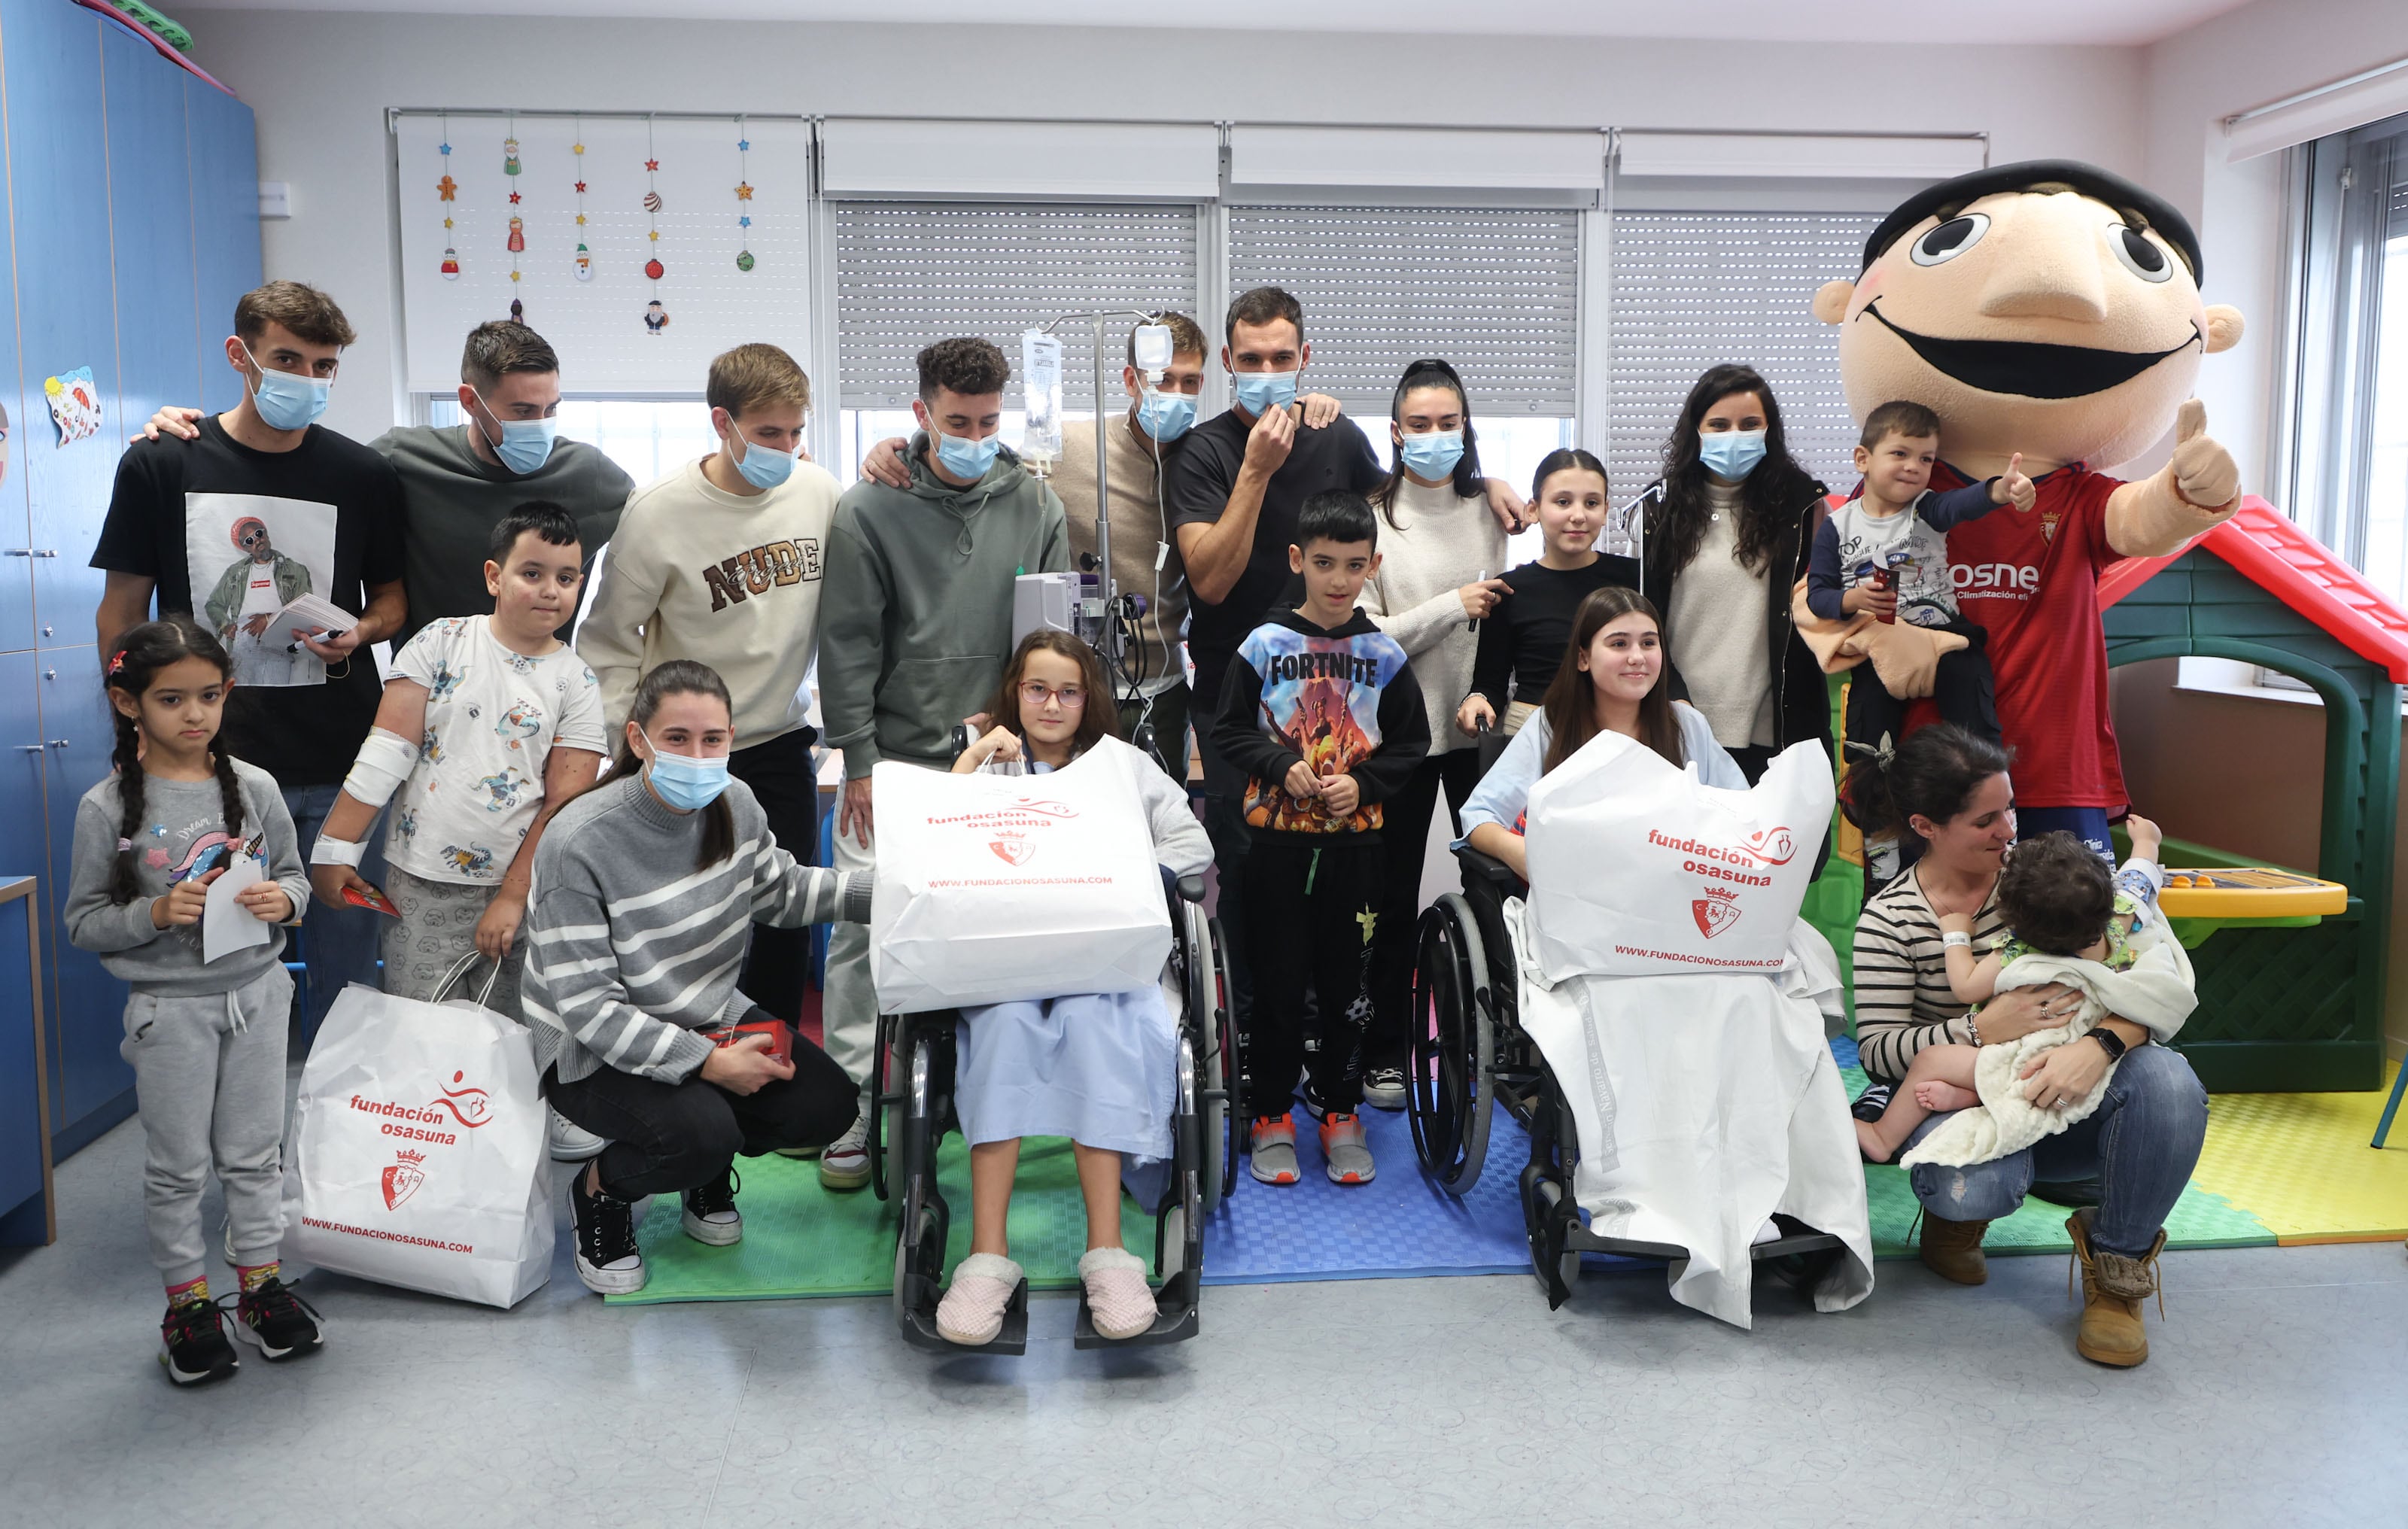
2032 582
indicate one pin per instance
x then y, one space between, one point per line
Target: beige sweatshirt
1439 544
1136 530
724 579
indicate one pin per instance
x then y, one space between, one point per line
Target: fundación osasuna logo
1716 912
464 1104
1009 824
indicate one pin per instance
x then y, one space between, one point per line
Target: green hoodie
915 617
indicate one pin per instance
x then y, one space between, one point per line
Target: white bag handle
460 969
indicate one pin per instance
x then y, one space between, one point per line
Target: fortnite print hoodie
915 612
1341 699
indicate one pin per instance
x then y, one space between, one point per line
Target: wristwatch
2111 1041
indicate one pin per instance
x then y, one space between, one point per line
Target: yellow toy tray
2228 891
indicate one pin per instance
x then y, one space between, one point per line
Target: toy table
2200 900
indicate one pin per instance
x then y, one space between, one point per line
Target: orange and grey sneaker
1342 1142
1274 1150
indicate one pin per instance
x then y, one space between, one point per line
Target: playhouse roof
2263 544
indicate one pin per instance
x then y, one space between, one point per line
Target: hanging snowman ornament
584 263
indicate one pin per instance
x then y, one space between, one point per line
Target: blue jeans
2086 823
2134 1153
338 944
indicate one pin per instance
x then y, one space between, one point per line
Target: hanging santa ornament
446 191
743 199
583 265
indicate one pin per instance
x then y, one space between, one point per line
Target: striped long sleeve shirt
632 952
1903 1000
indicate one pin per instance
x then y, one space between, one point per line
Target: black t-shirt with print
1197 483
230 534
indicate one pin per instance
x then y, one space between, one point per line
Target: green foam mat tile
802 1240
2198 1220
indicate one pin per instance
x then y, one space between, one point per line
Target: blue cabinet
25 1214
131 217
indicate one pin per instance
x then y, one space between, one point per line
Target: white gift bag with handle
417 1155
992 888
1638 868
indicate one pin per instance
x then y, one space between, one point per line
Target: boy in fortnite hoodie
1321 712
914 626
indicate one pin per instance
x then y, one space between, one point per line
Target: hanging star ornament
514 199
447 149
580 220
652 165
581 188
745 222
446 186
744 191
577 149
744 146
653 235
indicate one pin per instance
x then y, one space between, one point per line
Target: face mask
526 444
683 781
967 459
1166 416
1731 454
1259 393
1433 456
286 402
762 467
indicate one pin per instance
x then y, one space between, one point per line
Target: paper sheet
226 925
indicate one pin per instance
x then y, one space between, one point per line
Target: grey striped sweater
632 952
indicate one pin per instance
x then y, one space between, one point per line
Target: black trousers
1311 913
779 965
1404 834
667 1138
1963 687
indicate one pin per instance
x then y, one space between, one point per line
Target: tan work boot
2113 1289
1953 1250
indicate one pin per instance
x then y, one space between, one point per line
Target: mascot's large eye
2141 258
1950 239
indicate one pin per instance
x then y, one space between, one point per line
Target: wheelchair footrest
920 1329
1175 1323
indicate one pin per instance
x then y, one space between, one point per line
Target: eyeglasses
1036 693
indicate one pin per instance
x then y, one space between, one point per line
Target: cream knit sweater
1439 544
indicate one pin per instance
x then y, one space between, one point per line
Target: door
226 228
58 185
91 1087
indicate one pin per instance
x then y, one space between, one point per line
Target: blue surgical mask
968 459
1259 393
286 402
762 467
1434 455
1166 416
526 444
683 781
1730 454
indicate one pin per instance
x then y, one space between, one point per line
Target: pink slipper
971 1312
1117 1296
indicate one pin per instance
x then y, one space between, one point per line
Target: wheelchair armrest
963 738
1191 889
1488 868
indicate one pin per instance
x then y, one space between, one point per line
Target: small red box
780 1033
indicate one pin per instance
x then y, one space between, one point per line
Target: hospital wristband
334 851
1955 938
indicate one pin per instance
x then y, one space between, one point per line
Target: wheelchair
1470 1053
914 1078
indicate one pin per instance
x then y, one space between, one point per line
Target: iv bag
1040 383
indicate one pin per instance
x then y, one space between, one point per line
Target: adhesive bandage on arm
386 761
329 850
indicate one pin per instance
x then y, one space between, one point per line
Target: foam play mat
2278 1168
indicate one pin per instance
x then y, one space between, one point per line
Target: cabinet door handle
29 748
58 743
33 552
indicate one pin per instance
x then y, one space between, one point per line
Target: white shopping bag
417 1153
992 888
1638 867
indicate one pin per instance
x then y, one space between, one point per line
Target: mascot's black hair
2089 179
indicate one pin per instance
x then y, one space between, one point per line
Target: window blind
1691 289
907 274
1495 291
455 278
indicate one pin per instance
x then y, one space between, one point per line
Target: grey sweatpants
436 927
209 1073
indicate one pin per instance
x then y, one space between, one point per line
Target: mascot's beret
2089 179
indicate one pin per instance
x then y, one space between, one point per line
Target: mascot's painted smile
2029 368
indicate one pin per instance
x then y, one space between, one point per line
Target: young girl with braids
206 1038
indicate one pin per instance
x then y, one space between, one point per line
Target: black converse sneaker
607 1258
278 1322
193 1344
711 1213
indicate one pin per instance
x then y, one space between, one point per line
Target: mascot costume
2049 308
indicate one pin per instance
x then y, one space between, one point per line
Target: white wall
2193 80
320 84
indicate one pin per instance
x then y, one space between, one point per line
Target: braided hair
141 654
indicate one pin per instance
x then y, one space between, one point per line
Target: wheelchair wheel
920 1242
1451 1091
1234 1079
888 1025
1207 1034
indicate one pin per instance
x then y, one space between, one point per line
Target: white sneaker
710 1214
844 1165
568 1141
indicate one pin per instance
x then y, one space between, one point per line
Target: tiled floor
2278 1395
